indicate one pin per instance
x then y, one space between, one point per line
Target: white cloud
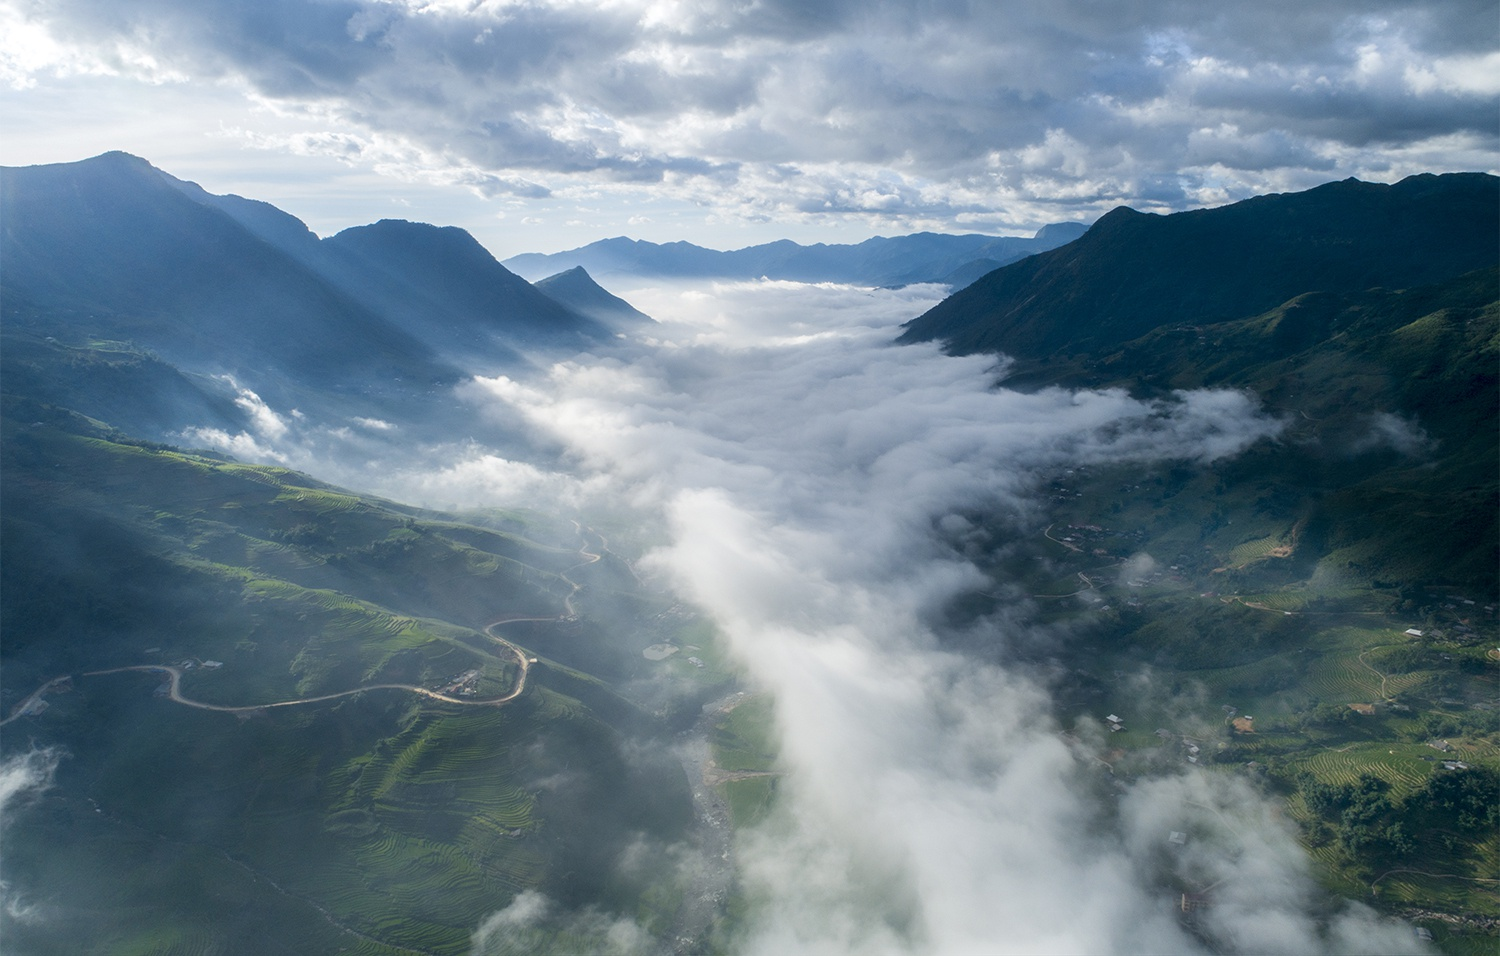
23 777
799 465
1405 435
263 419
241 445
532 923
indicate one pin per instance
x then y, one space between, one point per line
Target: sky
541 125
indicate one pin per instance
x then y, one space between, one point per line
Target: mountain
118 274
437 282
902 260
1365 316
108 248
365 725
440 284
1132 273
578 291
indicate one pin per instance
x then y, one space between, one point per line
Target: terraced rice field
1271 545
1342 679
1404 766
1279 600
330 501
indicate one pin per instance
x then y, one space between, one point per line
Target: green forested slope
380 822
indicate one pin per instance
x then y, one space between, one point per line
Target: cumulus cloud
533 923
263 420
22 778
1404 435
810 478
897 113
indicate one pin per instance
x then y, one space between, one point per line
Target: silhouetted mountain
436 282
118 274
577 290
1132 273
970 273
902 260
109 248
1363 315
444 287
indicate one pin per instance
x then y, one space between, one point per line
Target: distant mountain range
900 260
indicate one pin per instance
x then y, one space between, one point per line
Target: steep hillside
147 301
1132 273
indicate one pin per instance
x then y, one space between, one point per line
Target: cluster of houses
464 685
1188 744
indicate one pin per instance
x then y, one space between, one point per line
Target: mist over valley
1120 589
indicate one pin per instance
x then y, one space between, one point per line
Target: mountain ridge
880 260
1133 272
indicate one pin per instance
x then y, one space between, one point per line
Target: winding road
523 661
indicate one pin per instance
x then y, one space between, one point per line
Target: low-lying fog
814 485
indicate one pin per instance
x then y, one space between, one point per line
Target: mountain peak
575 289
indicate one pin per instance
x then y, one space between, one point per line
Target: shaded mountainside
899 260
1364 315
1132 272
380 822
107 248
145 301
577 290
113 248
443 286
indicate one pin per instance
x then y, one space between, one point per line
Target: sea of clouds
810 481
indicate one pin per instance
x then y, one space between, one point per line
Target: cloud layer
815 488
802 467
951 114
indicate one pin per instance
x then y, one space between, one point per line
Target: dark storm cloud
902 111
